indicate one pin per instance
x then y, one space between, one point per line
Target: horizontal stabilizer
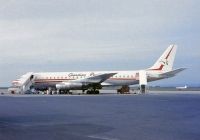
172 73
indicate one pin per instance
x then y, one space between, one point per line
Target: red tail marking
160 68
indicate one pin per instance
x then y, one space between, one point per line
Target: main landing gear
93 91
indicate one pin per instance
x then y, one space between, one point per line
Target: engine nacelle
69 86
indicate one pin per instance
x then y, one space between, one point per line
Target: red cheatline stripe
122 79
51 80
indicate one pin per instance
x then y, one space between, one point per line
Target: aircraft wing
99 78
172 73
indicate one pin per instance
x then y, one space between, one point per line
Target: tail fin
166 61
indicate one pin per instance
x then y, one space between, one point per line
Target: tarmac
152 116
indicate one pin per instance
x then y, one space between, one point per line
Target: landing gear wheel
92 92
88 92
96 91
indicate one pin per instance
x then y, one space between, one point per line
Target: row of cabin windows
72 77
76 77
124 76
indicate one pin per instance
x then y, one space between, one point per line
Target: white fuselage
50 79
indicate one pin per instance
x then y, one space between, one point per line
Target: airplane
93 81
182 88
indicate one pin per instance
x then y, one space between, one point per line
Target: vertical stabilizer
166 61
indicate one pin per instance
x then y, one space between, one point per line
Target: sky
89 35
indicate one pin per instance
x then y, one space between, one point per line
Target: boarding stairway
141 76
24 83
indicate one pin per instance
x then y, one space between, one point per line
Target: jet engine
69 85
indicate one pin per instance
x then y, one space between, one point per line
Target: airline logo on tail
165 62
